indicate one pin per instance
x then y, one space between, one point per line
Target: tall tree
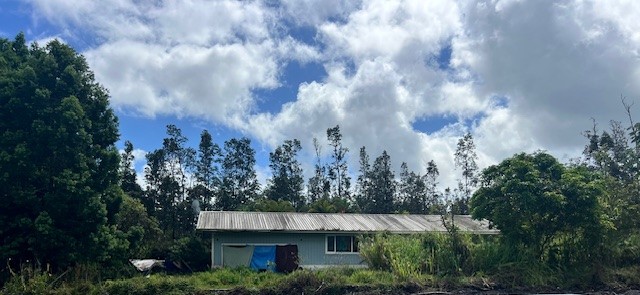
128 173
383 186
615 155
363 183
287 182
207 172
412 192
167 184
465 160
431 184
239 180
58 162
318 186
338 171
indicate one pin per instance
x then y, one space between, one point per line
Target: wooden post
213 250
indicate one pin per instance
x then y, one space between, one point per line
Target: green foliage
410 256
337 170
140 230
287 182
156 284
29 281
128 174
465 159
383 186
266 205
207 172
167 197
318 186
58 162
191 252
239 181
538 203
333 205
370 277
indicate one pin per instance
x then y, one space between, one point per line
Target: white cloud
313 12
523 75
185 58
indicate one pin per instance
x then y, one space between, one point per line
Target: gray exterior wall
311 247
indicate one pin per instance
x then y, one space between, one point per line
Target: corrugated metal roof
333 222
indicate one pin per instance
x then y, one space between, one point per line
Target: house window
342 244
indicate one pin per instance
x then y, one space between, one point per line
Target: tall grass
411 255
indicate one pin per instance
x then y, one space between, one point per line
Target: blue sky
409 77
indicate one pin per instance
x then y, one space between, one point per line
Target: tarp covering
264 258
237 256
146 264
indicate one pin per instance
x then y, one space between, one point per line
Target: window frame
353 244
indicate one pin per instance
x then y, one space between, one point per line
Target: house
319 239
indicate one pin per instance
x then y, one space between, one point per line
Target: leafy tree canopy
534 200
58 162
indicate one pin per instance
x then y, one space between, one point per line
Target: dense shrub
408 256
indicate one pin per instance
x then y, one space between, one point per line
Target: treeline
69 198
181 181
70 201
562 225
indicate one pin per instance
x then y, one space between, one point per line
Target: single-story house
318 239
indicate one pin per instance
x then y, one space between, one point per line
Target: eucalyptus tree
207 172
383 186
239 180
338 171
167 175
287 182
318 186
412 192
128 174
465 160
362 195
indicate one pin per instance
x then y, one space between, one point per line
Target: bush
29 281
191 252
409 256
156 284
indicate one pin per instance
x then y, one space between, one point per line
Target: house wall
311 247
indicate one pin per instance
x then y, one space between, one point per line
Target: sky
408 77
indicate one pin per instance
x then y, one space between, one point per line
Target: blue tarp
264 258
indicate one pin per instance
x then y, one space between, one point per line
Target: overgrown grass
326 281
399 264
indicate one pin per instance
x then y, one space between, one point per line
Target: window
342 244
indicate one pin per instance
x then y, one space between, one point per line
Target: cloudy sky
409 77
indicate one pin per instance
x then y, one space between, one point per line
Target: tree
465 159
383 186
318 186
363 183
58 161
431 184
128 174
287 182
239 180
140 230
412 192
535 202
166 175
615 155
338 171
207 172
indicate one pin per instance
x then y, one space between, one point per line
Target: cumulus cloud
559 64
520 75
184 58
